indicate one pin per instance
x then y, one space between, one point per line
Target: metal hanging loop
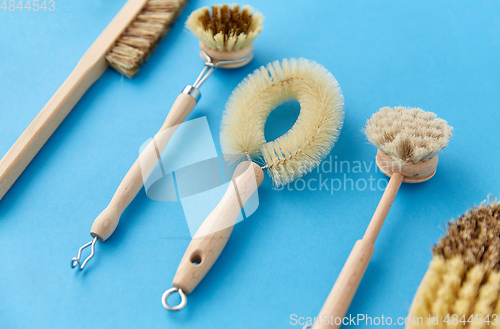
168 293
210 66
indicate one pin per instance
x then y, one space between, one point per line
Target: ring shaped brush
287 158
226 37
408 141
461 288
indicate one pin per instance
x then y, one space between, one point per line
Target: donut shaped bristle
312 136
225 27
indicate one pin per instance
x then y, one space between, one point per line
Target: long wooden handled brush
408 141
230 31
461 289
287 158
125 44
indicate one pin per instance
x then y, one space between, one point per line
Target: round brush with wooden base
408 141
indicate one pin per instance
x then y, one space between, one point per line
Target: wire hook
210 66
76 260
168 293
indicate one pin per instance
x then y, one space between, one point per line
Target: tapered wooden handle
212 236
88 70
383 208
340 298
345 287
46 122
105 224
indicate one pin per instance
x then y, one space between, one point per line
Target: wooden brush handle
88 70
383 208
339 299
212 236
105 224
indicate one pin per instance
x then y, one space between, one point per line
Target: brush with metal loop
226 37
287 158
408 141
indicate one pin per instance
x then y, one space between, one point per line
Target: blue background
442 56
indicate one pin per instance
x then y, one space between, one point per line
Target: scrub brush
225 29
232 25
125 44
462 286
408 141
287 158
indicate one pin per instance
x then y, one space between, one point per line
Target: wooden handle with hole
105 224
212 236
342 293
90 67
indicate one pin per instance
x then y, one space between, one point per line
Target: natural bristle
408 135
230 21
463 279
475 237
142 35
225 28
312 136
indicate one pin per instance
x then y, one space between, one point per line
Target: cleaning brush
408 141
125 44
226 29
226 34
287 158
142 36
107 221
462 286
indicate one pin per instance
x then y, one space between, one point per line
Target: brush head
407 139
464 275
474 237
310 139
226 32
142 35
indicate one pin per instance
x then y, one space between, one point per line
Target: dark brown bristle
475 237
230 21
225 27
206 19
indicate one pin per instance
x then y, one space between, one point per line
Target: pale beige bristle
408 135
226 27
140 38
464 276
311 138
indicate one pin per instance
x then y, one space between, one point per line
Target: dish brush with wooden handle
229 30
287 158
408 141
461 289
125 44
